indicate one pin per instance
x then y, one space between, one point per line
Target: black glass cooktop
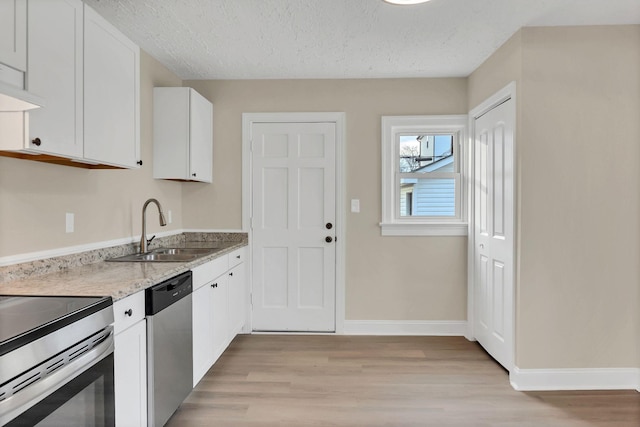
26 318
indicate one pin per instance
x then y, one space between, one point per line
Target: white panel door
293 222
494 232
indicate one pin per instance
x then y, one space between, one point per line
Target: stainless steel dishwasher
169 347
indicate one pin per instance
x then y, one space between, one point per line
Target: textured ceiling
284 39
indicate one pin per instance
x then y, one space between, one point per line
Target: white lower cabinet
237 294
202 333
130 362
218 309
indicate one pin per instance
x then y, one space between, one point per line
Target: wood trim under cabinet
47 158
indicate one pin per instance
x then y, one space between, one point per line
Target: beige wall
579 205
387 277
578 133
34 197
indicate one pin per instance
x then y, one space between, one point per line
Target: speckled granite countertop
115 279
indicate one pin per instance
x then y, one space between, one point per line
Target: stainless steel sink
184 251
153 257
167 255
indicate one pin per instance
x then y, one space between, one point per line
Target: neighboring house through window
423 164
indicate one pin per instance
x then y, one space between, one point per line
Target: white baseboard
575 379
405 327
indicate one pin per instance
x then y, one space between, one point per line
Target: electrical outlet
169 219
355 205
69 222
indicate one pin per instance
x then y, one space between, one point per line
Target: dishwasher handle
162 295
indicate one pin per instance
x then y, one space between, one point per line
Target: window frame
392 223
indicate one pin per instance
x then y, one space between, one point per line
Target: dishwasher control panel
162 295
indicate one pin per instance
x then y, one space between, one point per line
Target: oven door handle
29 396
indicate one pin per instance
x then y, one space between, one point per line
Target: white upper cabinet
182 135
88 74
13 33
55 73
111 94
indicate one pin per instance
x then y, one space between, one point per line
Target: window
423 182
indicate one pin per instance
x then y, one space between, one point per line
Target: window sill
432 229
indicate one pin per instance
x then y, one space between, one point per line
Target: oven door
87 400
77 393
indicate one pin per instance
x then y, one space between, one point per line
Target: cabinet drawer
205 273
237 257
128 311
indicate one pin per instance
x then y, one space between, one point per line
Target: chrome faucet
144 243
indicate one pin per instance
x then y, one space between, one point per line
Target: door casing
504 94
248 119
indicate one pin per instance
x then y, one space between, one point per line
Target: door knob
328 239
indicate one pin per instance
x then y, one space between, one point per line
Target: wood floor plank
282 380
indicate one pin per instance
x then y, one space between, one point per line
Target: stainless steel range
56 361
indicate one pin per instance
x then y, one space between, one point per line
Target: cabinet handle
194 174
37 142
129 313
139 162
238 256
214 285
231 274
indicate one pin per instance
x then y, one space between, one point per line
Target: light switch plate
69 222
355 205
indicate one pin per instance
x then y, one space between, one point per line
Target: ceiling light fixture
405 2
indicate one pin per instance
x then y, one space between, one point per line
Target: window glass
428 197
426 153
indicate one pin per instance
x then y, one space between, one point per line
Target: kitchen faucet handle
151 239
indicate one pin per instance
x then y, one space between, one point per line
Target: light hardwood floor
269 380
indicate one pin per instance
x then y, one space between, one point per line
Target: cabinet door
201 138
171 133
13 33
237 300
219 311
111 94
202 332
130 376
55 73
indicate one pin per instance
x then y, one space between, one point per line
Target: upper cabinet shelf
182 135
